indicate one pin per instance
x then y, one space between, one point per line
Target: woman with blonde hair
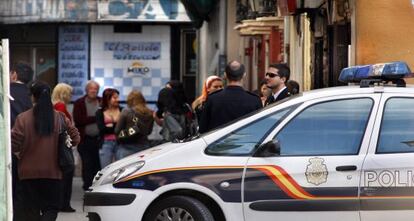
61 96
135 114
212 84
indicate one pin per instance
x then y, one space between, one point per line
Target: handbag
172 126
129 134
66 160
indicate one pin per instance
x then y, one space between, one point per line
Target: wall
119 60
384 31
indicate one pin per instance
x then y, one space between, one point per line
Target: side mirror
268 149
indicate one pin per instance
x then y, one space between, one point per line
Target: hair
89 83
43 109
204 93
293 87
62 93
283 70
24 71
234 70
178 92
106 96
259 90
136 101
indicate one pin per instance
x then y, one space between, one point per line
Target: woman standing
212 84
35 138
137 113
106 118
61 96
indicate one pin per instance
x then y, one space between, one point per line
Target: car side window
397 127
242 142
329 128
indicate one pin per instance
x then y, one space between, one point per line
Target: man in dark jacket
20 75
84 111
230 103
276 77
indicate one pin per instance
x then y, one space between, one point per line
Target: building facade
120 44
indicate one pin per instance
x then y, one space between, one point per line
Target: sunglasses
272 75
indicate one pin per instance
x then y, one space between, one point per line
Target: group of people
41 189
216 107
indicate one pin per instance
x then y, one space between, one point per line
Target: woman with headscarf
35 137
212 84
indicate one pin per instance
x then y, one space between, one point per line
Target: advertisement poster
74 57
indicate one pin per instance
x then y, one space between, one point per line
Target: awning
199 10
259 26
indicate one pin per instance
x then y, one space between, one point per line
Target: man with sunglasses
229 103
276 77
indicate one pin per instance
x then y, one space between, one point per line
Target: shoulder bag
66 160
129 134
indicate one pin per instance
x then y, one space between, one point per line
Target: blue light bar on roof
385 71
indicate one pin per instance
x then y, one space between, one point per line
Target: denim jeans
107 152
125 150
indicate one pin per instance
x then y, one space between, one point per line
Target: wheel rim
174 214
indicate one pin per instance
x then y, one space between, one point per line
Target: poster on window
74 57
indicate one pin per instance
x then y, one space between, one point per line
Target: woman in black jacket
106 118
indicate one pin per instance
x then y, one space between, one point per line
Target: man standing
230 103
276 77
84 116
20 75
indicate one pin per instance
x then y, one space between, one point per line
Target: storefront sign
23 11
134 50
137 68
142 10
74 57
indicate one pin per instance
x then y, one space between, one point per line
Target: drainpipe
222 62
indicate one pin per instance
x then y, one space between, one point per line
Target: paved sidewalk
77 201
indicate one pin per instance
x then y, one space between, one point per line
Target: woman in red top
61 95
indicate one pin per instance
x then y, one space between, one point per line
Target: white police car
344 153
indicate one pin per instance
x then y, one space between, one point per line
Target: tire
178 208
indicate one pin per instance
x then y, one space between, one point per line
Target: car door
316 176
387 184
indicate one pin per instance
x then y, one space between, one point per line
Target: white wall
112 72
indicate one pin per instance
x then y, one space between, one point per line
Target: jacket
80 115
38 155
227 105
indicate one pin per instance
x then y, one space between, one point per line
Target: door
316 176
387 184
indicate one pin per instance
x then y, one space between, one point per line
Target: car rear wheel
178 208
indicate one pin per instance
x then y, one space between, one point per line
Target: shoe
68 210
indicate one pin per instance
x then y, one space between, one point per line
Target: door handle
346 168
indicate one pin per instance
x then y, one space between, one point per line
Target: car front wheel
178 208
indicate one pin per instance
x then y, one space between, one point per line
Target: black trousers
67 181
89 152
41 199
18 206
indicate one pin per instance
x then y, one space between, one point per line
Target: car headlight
122 172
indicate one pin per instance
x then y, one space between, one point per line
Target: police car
343 153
